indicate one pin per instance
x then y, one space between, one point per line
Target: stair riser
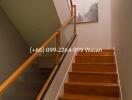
88 98
94 59
94 67
92 90
114 98
97 78
67 99
103 53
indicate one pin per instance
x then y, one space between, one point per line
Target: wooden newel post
57 48
72 10
74 15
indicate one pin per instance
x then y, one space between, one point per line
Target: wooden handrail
25 65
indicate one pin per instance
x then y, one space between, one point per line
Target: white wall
36 20
13 49
90 34
122 42
97 34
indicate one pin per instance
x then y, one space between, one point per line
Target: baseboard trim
118 74
60 92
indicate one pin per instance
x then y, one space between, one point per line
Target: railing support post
57 48
74 15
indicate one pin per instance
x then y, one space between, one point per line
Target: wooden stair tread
100 89
92 77
94 59
92 67
86 97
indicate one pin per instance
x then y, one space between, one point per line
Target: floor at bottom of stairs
86 97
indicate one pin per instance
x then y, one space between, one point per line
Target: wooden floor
93 77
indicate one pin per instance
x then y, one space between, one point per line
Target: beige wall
90 34
63 10
122 42
13 49
36 20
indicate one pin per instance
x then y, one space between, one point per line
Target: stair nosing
92 84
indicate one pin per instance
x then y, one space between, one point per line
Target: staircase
93 77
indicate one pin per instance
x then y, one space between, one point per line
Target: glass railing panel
28 85
67 34
47 58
